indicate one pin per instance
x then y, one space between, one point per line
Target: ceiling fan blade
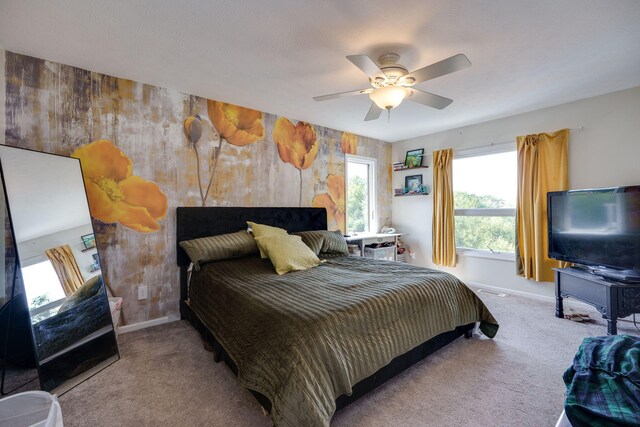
366 64
374 112
429 99
446 66
342 94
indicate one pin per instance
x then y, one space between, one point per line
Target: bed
310 342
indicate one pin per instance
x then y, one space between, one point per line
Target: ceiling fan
392 83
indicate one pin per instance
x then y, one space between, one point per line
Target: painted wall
32 251
147 150
603 153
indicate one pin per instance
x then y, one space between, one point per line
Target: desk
363 239
611 299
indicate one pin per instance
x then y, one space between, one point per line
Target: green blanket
304 338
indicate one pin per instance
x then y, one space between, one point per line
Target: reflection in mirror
67 299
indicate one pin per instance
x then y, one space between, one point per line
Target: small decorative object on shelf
398 166
414 158
420 190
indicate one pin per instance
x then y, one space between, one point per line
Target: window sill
475 253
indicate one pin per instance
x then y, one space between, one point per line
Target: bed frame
193 223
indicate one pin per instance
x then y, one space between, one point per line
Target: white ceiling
276 55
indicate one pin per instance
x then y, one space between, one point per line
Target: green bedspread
304 338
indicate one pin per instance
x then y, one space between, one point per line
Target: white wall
605 152
32 251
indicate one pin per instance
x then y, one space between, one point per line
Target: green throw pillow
260 230
287 252
223 246
323 241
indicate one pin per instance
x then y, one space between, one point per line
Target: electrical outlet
142 292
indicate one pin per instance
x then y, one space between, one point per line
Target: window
484 189
361 202
42 285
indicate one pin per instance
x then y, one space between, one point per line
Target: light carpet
165 377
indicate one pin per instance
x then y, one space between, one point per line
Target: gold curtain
66 267
543 166
444 239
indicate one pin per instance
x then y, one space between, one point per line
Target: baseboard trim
510 291
146 324
525 294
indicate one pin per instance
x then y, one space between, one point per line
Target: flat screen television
597 228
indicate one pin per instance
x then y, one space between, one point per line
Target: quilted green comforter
304 338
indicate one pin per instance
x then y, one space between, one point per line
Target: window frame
372 164
484 212
34 261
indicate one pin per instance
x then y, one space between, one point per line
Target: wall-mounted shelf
409 169
407 195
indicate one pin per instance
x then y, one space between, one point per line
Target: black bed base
193 223
396 366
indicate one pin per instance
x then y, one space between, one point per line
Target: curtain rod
493 144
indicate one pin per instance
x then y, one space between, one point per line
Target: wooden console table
612 299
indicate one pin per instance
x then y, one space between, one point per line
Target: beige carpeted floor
166 378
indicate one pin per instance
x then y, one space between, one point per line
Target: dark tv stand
612 299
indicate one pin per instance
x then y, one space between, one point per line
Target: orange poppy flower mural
115 195
297 144
333 201
237 125
349 143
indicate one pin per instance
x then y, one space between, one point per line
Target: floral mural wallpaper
146 150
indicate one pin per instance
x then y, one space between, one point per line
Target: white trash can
30 409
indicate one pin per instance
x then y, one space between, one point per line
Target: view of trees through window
357 204
358 196
484 199
493 233
44 285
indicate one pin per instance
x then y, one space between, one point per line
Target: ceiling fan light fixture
388 97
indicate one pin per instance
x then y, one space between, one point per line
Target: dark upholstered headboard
192 223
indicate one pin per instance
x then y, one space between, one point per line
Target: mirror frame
56 376
20 298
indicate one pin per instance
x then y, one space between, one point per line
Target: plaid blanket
603 384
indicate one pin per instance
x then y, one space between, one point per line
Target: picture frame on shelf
89 241
413 159
413 183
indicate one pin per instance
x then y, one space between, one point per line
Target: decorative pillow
323 241
223 246
89 288
287 252
260 230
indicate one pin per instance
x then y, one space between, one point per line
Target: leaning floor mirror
66 300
